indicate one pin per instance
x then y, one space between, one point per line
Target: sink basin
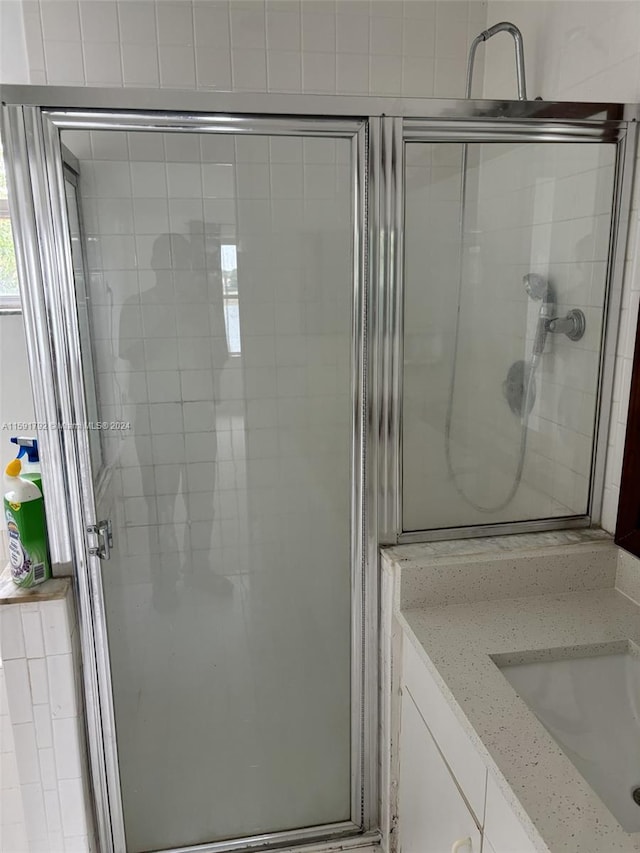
591 707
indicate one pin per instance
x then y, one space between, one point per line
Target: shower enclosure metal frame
33 146
31 120
516 121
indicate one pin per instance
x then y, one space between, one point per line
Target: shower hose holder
572 325
519 388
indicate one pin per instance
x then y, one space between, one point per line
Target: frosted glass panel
477 340
221 291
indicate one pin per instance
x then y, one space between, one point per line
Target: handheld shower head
539 289
537 286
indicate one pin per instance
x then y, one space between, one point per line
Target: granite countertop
456 642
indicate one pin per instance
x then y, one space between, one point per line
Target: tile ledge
52 590
490 546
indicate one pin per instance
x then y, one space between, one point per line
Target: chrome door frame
551 127
39 207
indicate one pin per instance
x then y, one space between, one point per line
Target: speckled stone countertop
554 802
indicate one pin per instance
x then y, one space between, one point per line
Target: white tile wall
14 64
410 47
540 211
529 208
584 51
44 802
13 835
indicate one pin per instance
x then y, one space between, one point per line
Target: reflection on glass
179 276
84 320
229 264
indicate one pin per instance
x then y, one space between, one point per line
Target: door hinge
104 532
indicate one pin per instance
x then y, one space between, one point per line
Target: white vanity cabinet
445 794
434 817
503 832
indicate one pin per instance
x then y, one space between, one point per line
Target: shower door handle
104 532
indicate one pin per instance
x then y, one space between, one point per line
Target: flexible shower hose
524 429
525 411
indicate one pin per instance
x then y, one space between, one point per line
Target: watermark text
53 426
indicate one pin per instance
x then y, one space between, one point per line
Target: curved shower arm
485 35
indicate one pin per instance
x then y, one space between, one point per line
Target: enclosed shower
502 316
277 331
519 387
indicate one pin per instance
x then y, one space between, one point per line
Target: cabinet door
503 832
433 814
462 757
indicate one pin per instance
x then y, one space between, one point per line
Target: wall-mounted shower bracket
573 325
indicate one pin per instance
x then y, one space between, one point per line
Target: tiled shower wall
529 208
579 50
586 51
407 47
410 48
401 47
543 209
164 350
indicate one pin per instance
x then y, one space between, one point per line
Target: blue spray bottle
28 456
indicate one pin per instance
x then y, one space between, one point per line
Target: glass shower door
220 289
505 268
